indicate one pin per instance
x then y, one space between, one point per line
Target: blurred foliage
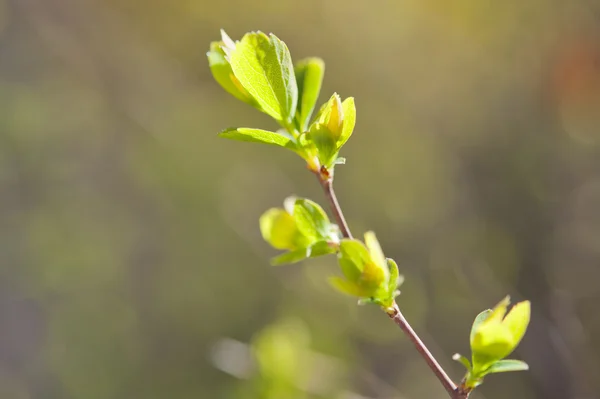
129 234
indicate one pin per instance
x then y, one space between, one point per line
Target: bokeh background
131 265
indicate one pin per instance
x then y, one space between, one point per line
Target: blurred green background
131 261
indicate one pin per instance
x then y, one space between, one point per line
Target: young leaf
375 250
310 218
355 251
309 76
503 366
500 333
351 271
359 268
280 139
290 257
347 287
263 65
324 142
478 320
349 121
279 229
395 278
331 128
223 74
517 320
331 115
326 130
374 279
322 248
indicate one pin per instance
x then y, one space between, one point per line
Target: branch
455 392
326 181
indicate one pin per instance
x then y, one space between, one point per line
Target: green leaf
347 287
517 320
324 141
375 251
279 229
311 219
364 277
332 127
223 74
349 121
319 248
500 333
395 278
359 267
374 279
354 251
322 248
350 270
263 65
290 257
478 320
280 139
309 76
503 366
326 130
462 360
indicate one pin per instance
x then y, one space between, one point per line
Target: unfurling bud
332 127
367 273
494 336
500 333
333 117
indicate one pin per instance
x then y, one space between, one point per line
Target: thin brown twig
454 391
326 182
